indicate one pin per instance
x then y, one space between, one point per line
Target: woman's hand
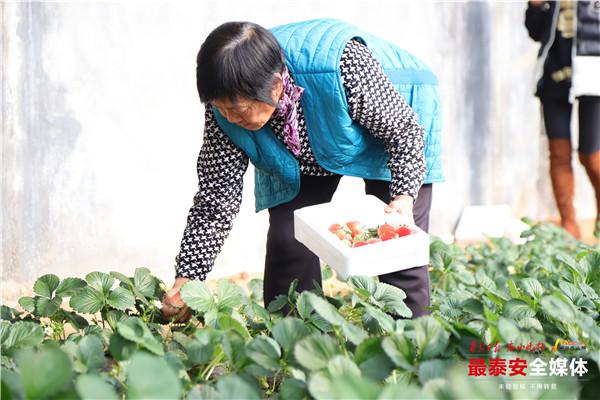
402 205
173 306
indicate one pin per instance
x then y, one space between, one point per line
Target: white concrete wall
102 125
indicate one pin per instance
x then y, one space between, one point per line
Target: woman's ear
277 87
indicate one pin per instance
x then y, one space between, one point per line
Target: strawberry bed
104 337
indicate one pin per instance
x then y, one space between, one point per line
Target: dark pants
557 120
287 259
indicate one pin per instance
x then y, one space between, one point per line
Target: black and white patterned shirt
373 103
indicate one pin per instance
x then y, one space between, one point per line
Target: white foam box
311 228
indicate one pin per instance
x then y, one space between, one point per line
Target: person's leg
557 120
286 258
589 145
414 281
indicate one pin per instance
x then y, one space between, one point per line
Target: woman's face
247 113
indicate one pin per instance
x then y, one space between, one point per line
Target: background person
570 34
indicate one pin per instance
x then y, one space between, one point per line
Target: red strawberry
385 228
355 226
357 233
358 244
388 235
341 234
335 227
403 231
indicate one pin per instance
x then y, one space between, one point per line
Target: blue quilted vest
313 50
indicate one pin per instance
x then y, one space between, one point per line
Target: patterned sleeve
221 168
375 104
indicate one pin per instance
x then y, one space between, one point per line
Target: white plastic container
311 227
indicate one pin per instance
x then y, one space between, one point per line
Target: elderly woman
307 103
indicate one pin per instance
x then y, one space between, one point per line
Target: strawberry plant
104 336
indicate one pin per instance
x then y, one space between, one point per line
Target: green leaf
234 349
473 306
558 308
513 290
392 298
12 388
69 286
509 331
228 322
288 331
403 392
325 309
47 307
293 389
265 352
45 285
484 281
372 360
113 317
93 387
342 366
234 387
326 273
261 312
400 350
278 303
575 294
531 324
431 338
229 295
27 303
144 281
255 286
303 305
350 387
92 352
354 333
135 330
8 313
21 334
432 369
44 373
376 321
518 309
573 265
532 287
197 296
120 348
76 320
88 300
151 377
320 385
100 281
314 351
199 349
364 285
121 299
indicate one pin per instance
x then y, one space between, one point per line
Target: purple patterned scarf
286 108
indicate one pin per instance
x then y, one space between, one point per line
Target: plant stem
341 340
207 372
274 382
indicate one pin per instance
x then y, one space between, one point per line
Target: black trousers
287 259
557 120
